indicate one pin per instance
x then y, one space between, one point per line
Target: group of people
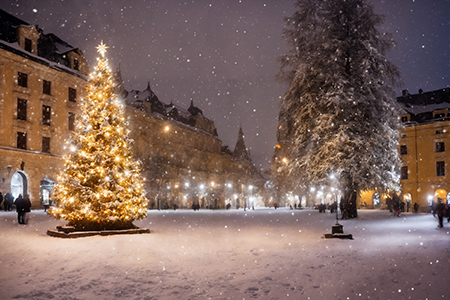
22 203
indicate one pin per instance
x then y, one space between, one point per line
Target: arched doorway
45 190
440 193
19 184
407 198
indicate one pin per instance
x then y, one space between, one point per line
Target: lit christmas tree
100 186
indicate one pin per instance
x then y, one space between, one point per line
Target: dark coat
23 204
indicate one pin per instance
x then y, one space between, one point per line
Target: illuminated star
102 48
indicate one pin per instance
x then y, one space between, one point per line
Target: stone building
183 159
43 79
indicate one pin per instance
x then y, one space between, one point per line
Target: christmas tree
339 116
100 186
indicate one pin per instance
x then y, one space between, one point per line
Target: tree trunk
349 205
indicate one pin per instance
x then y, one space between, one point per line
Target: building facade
424 143
44 79
183 160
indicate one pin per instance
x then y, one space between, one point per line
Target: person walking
1 200
416 207
8 200
440 210
23 205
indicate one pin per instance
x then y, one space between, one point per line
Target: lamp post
336 228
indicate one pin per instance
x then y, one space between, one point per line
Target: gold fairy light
99 148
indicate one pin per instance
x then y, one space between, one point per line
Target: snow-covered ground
261 254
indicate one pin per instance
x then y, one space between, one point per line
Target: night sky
222 54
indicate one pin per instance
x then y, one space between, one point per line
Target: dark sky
222 54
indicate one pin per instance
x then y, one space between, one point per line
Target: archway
407 198
19 184
45 190
440 193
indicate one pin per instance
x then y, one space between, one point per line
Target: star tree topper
102 48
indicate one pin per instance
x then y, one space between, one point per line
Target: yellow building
424 142
42 81
42 78
423 146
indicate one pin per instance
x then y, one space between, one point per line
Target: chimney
420 91
405 93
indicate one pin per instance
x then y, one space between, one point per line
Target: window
75 64
71 121
404 119
403 150
439 131
72 95
440 168
21 140
404 173
22 79
440 147
46 144
46 114
21 109
27 45
47 87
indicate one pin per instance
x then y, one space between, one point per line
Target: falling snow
148 37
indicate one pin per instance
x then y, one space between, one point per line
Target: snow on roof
420 109
51 64
62 48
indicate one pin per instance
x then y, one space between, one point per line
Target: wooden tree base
71 232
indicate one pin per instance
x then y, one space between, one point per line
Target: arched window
19 184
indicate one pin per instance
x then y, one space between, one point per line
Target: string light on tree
100 186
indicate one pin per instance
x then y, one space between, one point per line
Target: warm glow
101 181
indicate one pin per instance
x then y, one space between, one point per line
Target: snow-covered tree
340 105
100 186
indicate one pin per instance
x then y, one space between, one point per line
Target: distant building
183 159
43 80
424 144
